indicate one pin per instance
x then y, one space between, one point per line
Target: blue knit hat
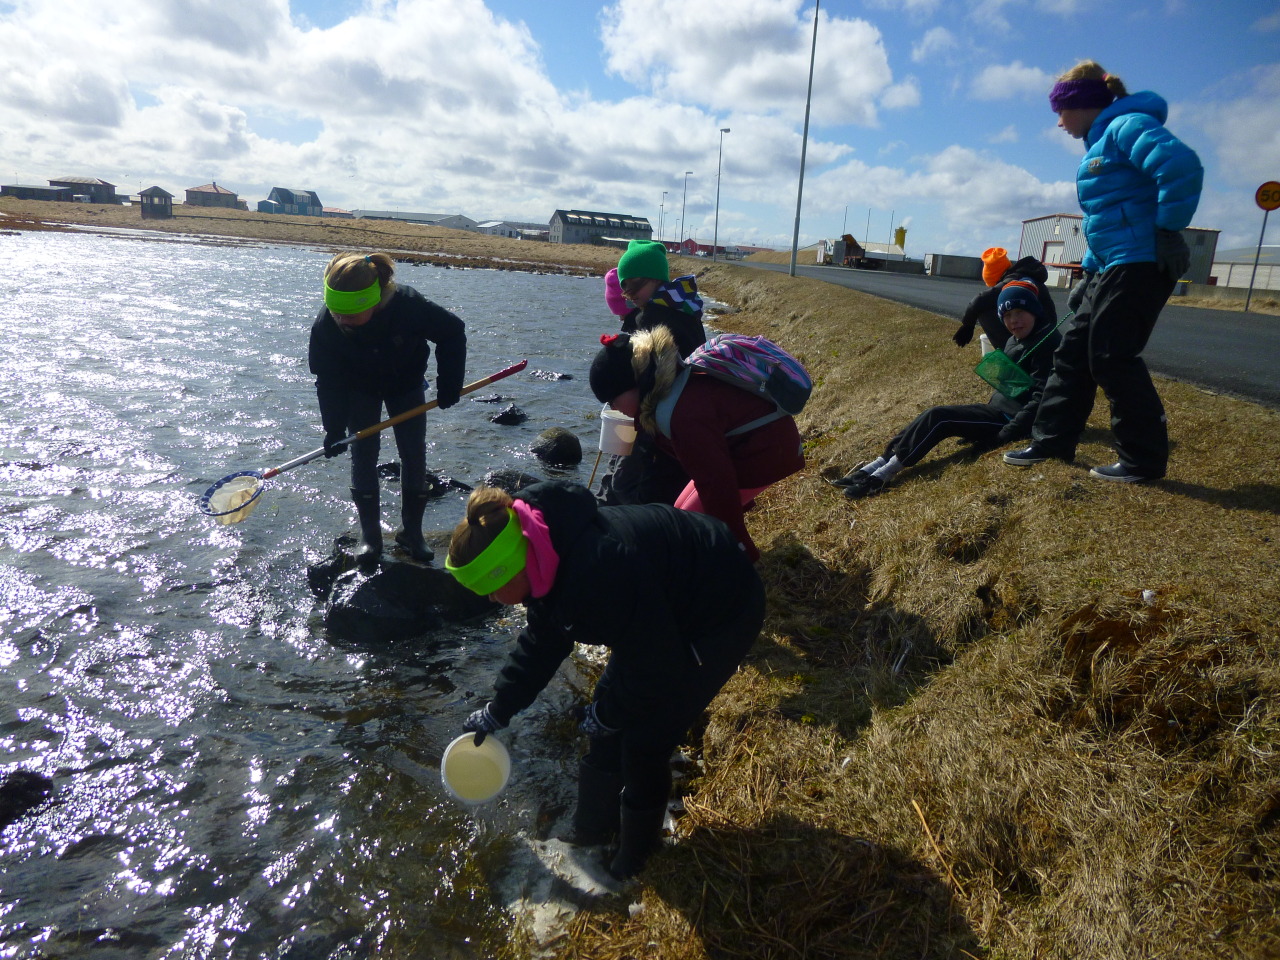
1020 295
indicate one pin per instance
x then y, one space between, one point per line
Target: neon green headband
352 301
498 563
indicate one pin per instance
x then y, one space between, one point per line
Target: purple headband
1080 95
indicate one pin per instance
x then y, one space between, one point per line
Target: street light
662 215
715 237
687 175
804 142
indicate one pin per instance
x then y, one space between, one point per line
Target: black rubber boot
369 549
639 838
599 811
412 506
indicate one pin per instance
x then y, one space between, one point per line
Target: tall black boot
369 549
412 506
640 837
599 811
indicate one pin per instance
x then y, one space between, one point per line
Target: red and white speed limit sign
1268 195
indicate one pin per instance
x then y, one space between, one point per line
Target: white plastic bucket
475 774
984 344
617 432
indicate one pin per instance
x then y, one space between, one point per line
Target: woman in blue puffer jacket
1138 187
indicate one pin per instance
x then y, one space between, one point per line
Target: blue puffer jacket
1136 177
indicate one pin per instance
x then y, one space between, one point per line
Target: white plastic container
475 774
984 342
617 432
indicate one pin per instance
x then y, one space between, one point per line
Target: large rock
557 447
512 481
400 600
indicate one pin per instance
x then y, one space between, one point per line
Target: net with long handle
233 497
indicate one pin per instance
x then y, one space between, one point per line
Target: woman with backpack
701 425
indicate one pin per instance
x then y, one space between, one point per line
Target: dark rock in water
557 447
21 791
491 398
389 471
512 481
550 375
510 416
399 601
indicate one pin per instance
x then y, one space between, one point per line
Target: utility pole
804 143
715 237
662 216
687 175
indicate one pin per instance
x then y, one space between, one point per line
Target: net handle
392 421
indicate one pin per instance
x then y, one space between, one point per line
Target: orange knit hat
995 261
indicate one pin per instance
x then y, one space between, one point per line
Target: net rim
208 494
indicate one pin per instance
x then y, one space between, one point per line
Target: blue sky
925 113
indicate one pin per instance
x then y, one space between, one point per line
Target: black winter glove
482 722
1076 296
446 398
963 335
1008 433
333 445
589 722
1173 256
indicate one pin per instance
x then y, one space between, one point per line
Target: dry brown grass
968 729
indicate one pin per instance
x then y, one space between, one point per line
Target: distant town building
26 192
451 221
303 203
212 195
1235 268
88 188
339 213
586 226
156 203
509 228
1058 242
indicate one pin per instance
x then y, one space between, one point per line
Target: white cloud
1269 23
1244 130
936 42
750 55
1008 135
1000 82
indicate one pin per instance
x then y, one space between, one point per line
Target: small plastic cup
474 774
617 432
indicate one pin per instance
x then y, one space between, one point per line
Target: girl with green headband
669 592
369 348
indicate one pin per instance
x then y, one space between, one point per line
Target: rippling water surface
230 782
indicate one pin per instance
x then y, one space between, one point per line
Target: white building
1058 242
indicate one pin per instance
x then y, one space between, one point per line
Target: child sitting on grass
999 421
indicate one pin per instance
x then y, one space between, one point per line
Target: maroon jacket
721 466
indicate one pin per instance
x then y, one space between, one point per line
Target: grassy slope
965 731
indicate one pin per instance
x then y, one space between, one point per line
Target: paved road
1222 350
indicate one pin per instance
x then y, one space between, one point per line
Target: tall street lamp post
715 237
683 199
804 142
662 216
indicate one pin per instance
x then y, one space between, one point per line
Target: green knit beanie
646 259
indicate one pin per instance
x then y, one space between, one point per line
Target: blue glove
589 721
331 441
482 722
1173 256
1076 296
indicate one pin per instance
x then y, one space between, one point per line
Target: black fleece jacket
654 584
387 356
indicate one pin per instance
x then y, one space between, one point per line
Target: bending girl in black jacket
669 592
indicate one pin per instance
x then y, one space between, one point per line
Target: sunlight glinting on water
229 780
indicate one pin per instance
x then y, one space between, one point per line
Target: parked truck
849 252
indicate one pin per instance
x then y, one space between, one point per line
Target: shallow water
231 782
